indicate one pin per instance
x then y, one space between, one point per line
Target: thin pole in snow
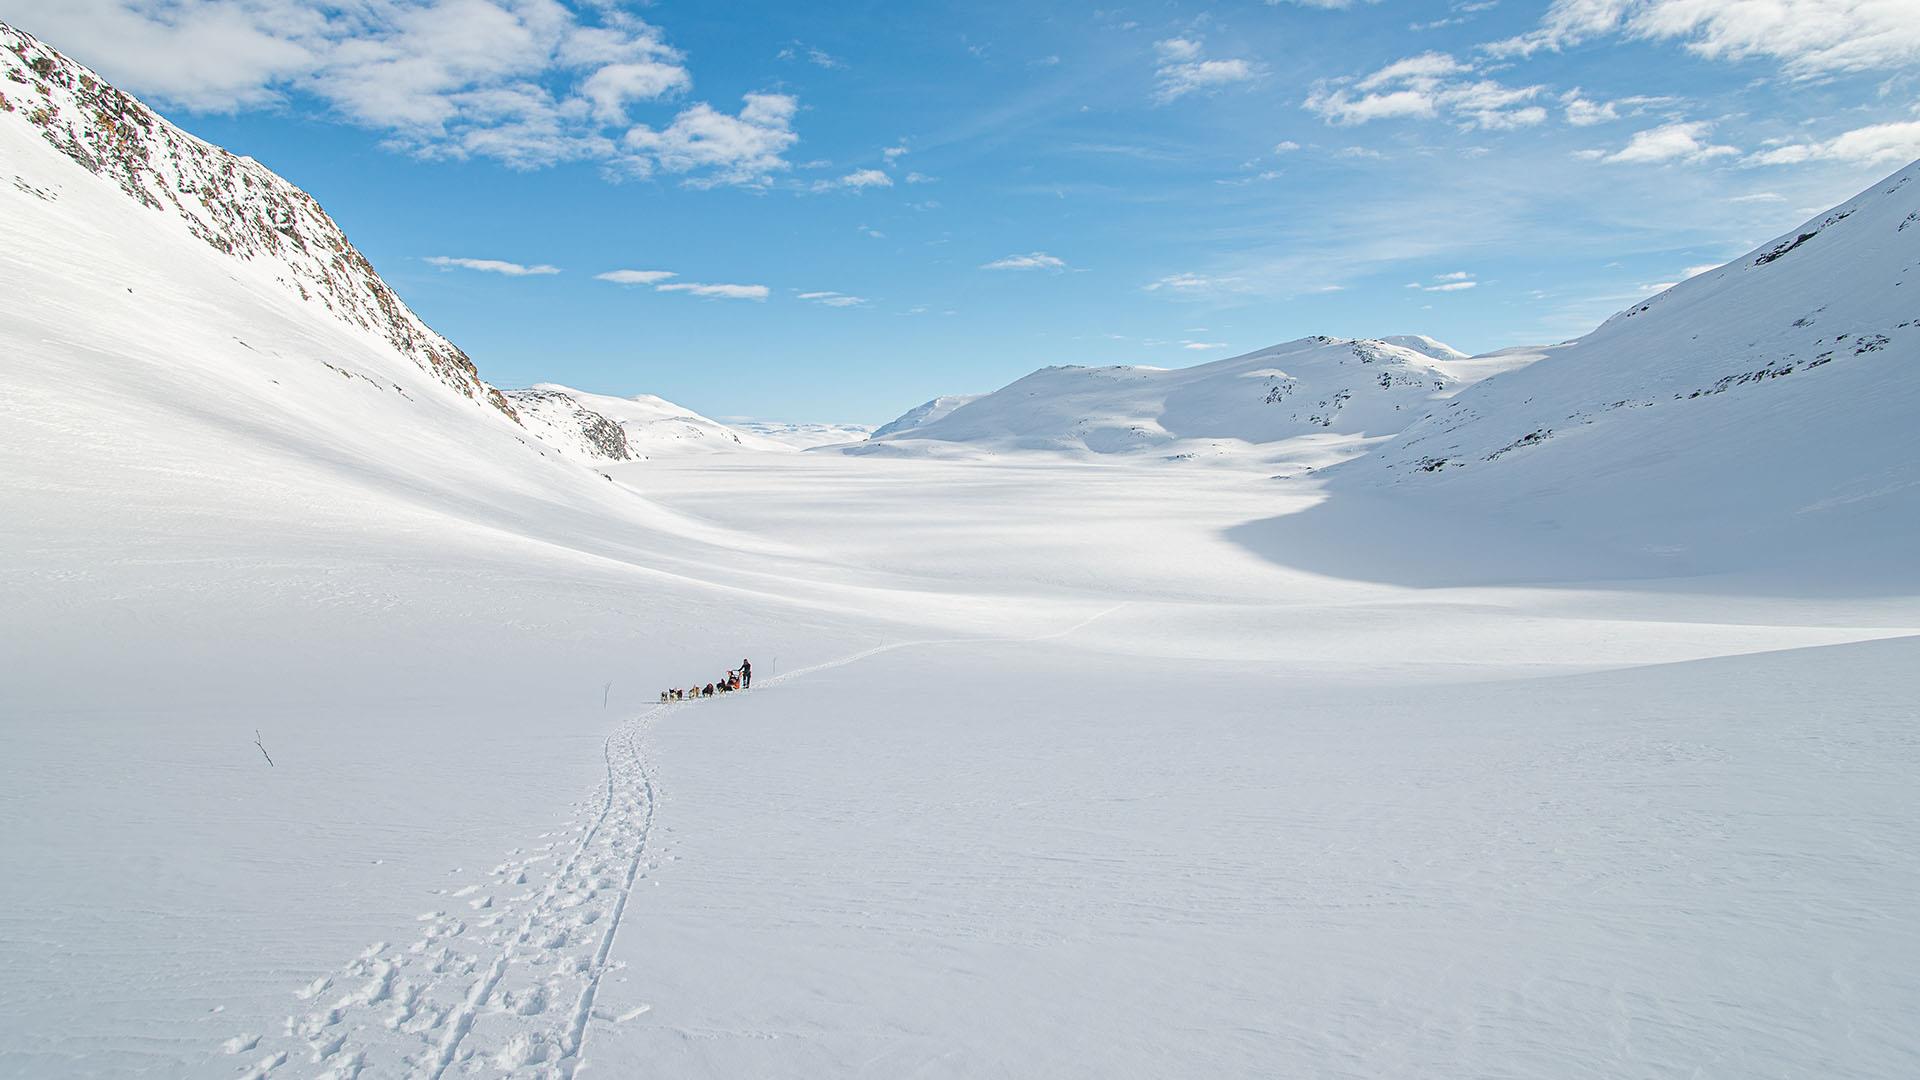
605 692
262 746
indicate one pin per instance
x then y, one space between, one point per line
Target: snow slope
1336 390
1741 418
924 413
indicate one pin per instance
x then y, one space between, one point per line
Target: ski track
473 995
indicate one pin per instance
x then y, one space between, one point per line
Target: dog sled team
739 678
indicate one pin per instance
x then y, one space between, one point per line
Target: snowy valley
1352 707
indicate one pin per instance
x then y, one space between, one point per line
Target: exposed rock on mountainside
234 204
562 422
650 425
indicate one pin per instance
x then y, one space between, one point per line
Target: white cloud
1696 271
1425 87
491 266
833 299
920 178
635 277
1425 70
1285 146
721 292
529 83
1759 197
893 153
1183 70
1809 37
1038 260
721 149
1183 282
611 87
858 180
1200 345
1879 144
1679 141
1325 5
1453 281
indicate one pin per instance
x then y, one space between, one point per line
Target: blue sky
834 212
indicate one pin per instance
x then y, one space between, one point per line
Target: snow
1058 762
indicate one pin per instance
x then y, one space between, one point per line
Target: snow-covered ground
1100 765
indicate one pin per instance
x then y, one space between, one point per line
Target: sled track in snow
480 991
504 976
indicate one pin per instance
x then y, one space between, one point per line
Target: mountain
208 338
1426 346
804 436
923 414
557 418
1760 410
650 426
1319 386
234 205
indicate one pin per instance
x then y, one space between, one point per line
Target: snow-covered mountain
1425 345
924 413
556 417
1769 403
803 436
1318 386
234 205
650 426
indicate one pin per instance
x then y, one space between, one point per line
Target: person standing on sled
746 674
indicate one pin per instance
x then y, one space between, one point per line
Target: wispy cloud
1453 281
833 299
1037 260
1184 69
718 292
635 277
491 266
800 50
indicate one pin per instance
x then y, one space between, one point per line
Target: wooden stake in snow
604 691
262 746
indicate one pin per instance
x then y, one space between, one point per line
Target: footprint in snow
240 1044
